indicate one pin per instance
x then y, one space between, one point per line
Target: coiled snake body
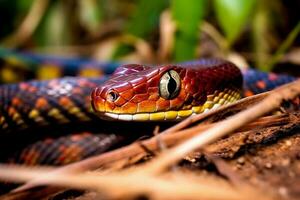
132 93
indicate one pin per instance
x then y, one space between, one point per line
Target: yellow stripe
141 117
185 113
157 116
213 101
170 115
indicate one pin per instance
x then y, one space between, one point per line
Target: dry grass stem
209 133
29 24
121 185
170 137
273 101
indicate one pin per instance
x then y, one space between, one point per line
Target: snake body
40 103
133 92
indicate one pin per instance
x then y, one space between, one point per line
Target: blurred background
259 33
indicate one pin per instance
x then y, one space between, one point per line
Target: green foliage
24 5
187 15
90 14
54 29
283 47
232 16
121 50
145 18
81 22
261 24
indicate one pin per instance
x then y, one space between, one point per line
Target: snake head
167 92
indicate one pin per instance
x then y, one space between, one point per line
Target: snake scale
64 114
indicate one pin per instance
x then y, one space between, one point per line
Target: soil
269 159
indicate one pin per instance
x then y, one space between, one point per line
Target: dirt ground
268 159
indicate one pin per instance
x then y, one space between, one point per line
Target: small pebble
288 143
285 162
268 165
241 160
283 191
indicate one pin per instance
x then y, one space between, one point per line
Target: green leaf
121 50
232 15
261 30
285 45
54 29
187 15
145 18
90 14
143 22
24 5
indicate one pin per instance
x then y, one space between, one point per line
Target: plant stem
283 47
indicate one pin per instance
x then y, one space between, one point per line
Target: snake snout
104 99
98 99
94 97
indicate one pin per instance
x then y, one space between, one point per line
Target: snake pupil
169 85
172 85
112 96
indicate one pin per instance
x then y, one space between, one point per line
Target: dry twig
171 156
287 92
122 185
30 23
270 103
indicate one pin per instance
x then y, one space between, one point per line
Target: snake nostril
112 96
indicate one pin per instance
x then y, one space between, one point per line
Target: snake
57 121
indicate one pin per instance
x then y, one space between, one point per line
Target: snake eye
169 85
112 96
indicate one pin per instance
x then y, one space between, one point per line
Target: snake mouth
213 101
